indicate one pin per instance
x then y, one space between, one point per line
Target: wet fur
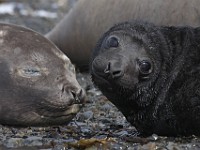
168 103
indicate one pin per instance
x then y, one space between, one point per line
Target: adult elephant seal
152 74
77 34
38 86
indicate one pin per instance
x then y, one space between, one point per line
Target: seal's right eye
32 71
112 42
145 67
29 72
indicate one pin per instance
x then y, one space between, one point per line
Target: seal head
144 70
38 86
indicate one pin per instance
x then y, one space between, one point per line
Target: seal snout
73 95
112 69
79 95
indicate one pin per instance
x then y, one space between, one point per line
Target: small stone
85 116
155 136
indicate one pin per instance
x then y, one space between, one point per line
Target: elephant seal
152 74
78 32
38 86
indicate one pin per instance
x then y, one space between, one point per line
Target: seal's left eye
31 72
145 67
112 42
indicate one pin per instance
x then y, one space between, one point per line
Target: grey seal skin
38 86
152 75
78 32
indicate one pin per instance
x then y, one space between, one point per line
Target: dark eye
112 42
145 67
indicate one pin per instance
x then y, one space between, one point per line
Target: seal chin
98 77
70 111
101 82
73 109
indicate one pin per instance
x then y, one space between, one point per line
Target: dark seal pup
152 74
38 86
77 34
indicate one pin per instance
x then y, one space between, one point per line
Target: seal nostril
78 96
113 71
80 93
74 94
107 70
63 89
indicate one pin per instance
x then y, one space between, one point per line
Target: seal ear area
106 42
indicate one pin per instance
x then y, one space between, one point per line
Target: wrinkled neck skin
164 112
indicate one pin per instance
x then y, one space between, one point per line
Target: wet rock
106 107
34 141
121 133
13 142
85 116
154 137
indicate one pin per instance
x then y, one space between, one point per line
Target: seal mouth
72 110
60 106
99 76
61 102
110 84
99 79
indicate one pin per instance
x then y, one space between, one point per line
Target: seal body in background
78 32
38 86
152 74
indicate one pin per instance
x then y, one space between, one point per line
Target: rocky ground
99 125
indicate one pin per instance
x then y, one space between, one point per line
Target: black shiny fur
168 101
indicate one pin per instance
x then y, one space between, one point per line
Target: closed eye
31 71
